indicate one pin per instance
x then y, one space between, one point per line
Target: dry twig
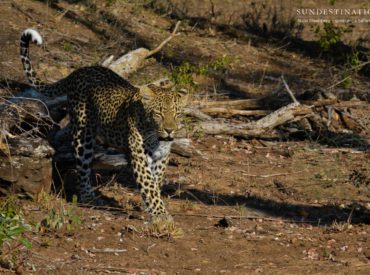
133 60
271 175
289 90
164 42
107 250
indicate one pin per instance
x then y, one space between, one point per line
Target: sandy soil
291 207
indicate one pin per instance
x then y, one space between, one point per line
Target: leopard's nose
169 131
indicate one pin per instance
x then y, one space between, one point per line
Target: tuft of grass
359 178
338 227
64 217
110 2
242 210
318 176
189 205
67 46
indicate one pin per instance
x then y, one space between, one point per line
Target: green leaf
15 231
74 199
27 244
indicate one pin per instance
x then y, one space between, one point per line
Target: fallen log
226 112
260 128
252 104
240 104
108 158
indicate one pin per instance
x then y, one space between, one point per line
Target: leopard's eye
178 114
158 115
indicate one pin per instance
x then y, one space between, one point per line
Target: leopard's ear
147 93
166 84
155 89
183 96
163 86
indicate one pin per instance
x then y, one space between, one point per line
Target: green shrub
182 75
330 35
12 225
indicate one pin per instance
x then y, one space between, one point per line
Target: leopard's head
166 107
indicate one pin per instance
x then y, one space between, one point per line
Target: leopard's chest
158 153
161 150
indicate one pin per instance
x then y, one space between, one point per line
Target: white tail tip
35 36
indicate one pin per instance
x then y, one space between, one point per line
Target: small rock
224 222
75 257
19 270
293 240
331 242
367 253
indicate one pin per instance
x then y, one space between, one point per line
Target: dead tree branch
164 42
240 104
226 112
289 90
134 60
259 128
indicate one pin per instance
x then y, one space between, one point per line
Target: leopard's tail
49 90
27 36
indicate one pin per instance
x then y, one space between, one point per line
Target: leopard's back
109 101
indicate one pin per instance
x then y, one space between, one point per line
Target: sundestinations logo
306 15
320 12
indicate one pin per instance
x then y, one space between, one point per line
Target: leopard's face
166 107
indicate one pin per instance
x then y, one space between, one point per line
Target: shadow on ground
12 85
317 215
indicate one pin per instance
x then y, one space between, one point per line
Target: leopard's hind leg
83 144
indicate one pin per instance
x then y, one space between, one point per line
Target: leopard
104 107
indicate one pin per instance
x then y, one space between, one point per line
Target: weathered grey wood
184 147
259 128
229 112
240 104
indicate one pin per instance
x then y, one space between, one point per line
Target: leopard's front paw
91 198
164 218
163 226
